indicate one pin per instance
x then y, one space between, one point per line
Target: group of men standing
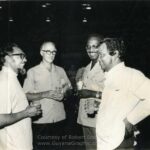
113 97
45 87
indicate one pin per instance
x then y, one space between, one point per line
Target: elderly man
125 98
90 84
47 84
15 113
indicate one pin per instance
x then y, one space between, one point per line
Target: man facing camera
47 84
90 84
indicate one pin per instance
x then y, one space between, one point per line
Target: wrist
45 94
25 113
98 95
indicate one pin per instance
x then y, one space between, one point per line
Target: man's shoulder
134 72
89 64
34 68
6 81
3 78
58 68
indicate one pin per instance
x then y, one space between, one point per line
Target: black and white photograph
74 74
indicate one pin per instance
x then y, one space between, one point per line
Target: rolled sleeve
66 79
28 85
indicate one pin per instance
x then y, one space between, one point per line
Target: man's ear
41 53
116 53
7 58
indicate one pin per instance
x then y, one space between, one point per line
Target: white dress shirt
125 95
17 136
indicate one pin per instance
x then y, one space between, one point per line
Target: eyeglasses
22 55
49 52
95 47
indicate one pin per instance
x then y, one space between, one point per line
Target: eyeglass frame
50 52
22 55
93 46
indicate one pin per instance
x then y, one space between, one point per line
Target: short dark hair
5 50
114 44
95 35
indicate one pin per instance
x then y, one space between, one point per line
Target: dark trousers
89 138
48 136
128 143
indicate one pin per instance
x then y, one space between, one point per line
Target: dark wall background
127 19
124 18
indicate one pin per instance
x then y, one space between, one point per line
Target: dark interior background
124 18
127 19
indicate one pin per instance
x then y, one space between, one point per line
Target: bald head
46 45
48 51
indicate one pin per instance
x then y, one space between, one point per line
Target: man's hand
56 95
84 93
129 129
33 110
96 105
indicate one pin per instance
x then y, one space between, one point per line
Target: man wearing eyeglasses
15 112
89 84
47 84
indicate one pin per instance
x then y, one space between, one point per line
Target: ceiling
66 17
128 19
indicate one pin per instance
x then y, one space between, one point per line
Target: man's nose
25 59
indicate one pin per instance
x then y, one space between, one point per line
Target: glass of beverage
79 85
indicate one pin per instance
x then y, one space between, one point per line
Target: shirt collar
42 65
9 71
97 65
115 69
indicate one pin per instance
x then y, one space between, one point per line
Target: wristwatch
97 95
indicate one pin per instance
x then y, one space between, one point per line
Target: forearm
89 94
37 96
53 95
68 93
8 119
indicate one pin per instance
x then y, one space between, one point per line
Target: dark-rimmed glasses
95 47
22 55
49 52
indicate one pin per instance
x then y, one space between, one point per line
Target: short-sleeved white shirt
12 100
40 79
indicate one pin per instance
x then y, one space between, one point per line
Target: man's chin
22 71
103 68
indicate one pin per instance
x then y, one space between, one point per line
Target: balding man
47 84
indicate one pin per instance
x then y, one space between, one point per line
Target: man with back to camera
15 112
90 83
125 98
47 84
